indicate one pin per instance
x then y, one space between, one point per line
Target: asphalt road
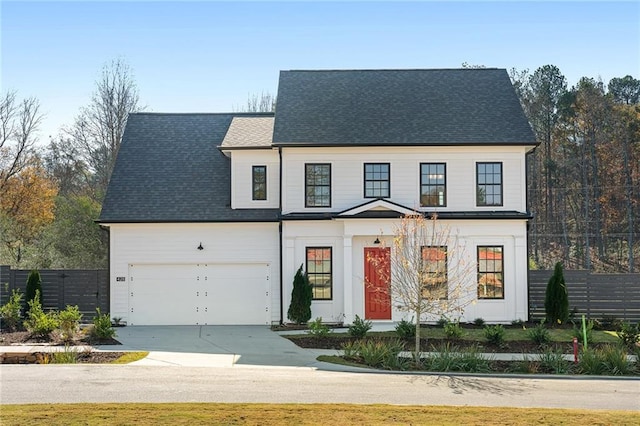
127 383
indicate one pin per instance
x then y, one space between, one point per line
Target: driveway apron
209 345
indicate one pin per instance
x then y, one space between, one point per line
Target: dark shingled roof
169 169
399 107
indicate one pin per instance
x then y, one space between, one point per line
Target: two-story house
210 215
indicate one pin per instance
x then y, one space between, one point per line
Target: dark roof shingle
399 107
169 169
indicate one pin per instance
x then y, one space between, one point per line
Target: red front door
377 301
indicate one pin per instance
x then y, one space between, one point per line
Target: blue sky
207 56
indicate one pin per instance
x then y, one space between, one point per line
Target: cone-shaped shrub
556 302
300 307
34 283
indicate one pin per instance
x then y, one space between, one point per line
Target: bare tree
97 131
265 102
428 272
19 121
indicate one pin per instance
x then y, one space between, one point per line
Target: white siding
241 187
347 166
176 244
296 237
349 237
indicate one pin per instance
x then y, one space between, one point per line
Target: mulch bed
84 357
336 342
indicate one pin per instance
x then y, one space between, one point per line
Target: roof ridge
396 69
236 114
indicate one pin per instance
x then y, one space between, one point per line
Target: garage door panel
199 294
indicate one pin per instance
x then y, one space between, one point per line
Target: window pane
318 185
432 185
490 267
376 180
318 260
489 184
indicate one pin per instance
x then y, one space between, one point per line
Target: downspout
280 235
526 204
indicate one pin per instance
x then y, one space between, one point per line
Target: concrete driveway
209 345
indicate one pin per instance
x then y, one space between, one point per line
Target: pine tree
34 283
556 302
301 295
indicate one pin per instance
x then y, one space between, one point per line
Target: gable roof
399 107
169 169
249 132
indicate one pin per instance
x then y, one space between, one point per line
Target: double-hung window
434 272
489 184
317 185
259 183
490 272
319 272
433 185
377 180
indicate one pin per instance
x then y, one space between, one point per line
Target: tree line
582 179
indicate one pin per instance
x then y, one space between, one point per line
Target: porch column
348 279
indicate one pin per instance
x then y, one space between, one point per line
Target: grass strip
300 414
130 357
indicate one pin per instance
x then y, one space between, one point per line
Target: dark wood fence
596 296
89 289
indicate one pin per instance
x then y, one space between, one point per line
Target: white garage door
199 294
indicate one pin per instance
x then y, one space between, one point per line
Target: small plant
453 330
359 328
517 323
451 358
494 334
318 329
590 363
382 354
479 322
102 326
301 296
608 360
405 329
629 334
553 362
34 286
578 331
66 356
351 350
116 321
526 366
539 334
69 322
38 322
10 311
442 321
608 322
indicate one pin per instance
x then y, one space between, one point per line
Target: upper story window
376 180
489 187
433 185
317 185
490 272
435 278
259 183
319 272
